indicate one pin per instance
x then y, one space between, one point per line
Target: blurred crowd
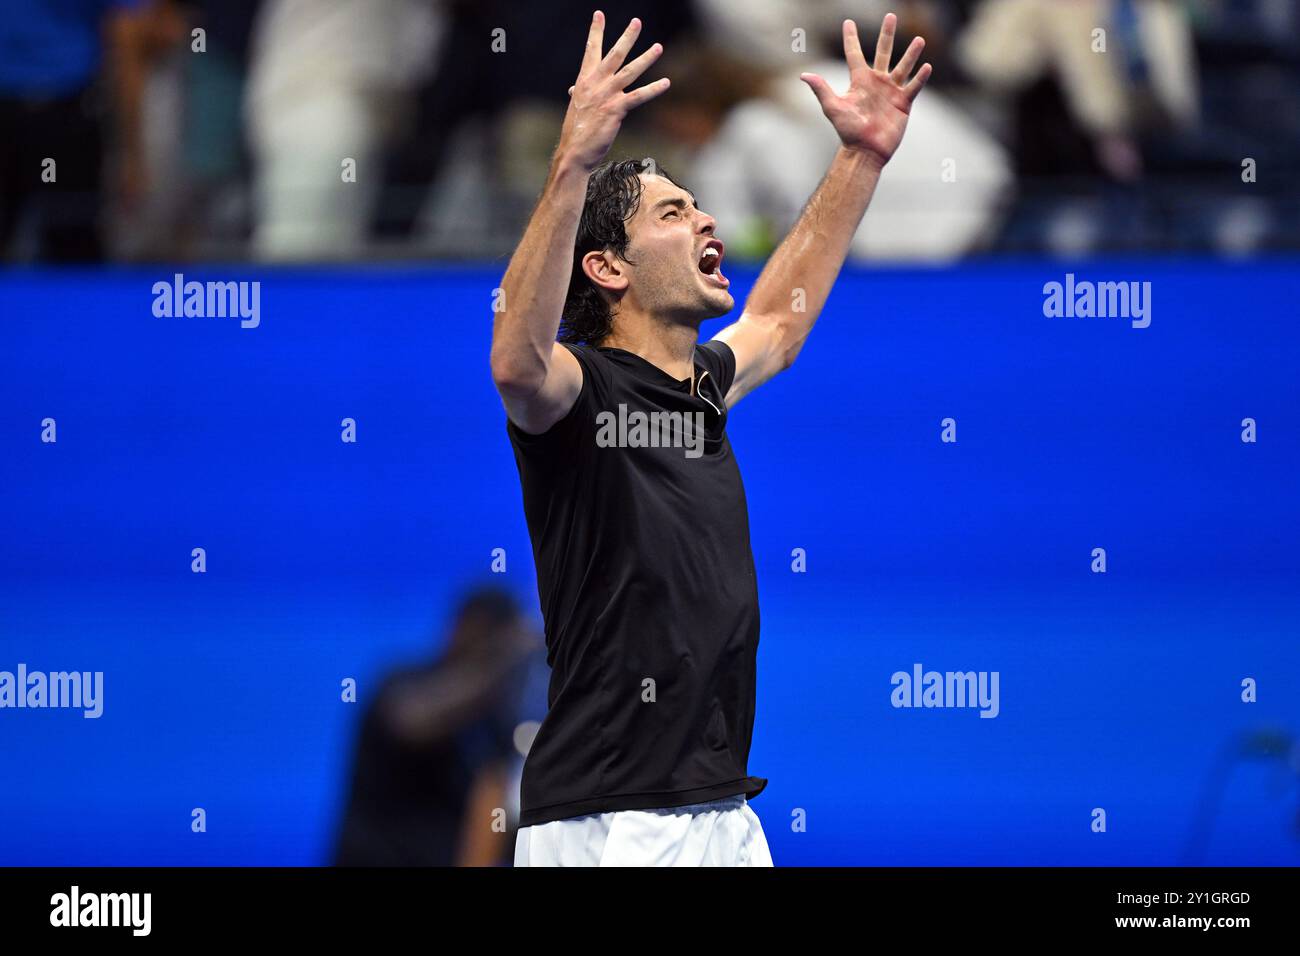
353 130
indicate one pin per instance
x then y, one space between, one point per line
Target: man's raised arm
538 379
870 119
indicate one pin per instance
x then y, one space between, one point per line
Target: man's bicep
536 413
756 343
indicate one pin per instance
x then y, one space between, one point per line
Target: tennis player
617 417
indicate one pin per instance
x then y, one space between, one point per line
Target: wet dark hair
613 197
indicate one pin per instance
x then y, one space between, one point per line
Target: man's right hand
597 103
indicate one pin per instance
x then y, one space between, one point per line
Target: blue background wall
328 560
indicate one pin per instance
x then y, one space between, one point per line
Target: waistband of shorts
733 802
669 801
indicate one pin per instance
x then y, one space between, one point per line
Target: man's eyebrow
676 201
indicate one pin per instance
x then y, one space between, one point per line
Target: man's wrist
566 167
861 158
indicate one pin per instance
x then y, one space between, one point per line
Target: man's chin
720 302
715 298
708 304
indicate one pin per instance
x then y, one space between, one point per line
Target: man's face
674 272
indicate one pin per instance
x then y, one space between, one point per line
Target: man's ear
606 270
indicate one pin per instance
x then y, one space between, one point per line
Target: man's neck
669 347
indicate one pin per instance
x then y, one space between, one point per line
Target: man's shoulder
597 369
586 354
714 354
716 357
596 379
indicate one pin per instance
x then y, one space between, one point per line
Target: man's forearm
811 256
537 280
870 119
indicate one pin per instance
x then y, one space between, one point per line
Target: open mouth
711 262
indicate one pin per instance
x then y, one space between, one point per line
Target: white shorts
722 832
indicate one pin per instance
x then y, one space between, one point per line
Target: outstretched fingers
644 94
885 43
915 84
907 62
638 66
852 48
618 52
821 89
595 40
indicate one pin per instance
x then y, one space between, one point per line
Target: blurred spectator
1125 67
1089 82
505 66
71 75
941 196
761 144
324 87
193 135
437 756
